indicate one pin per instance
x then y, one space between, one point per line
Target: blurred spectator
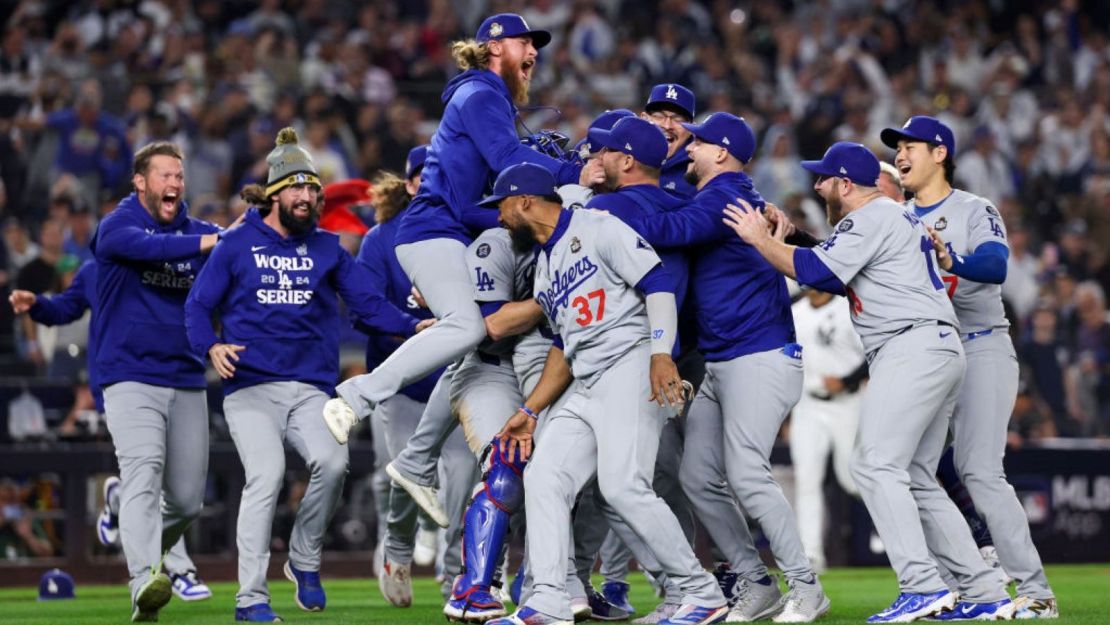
983 170
1043 357
92 144
20 536
1090 402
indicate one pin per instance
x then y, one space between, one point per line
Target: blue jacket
277 297
379 258
67 307
475 141
672 177
742 303
145 270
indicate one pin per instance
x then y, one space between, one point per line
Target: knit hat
290 164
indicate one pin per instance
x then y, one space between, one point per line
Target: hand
517 435
425 324
419 298
944 259
834 385
592 174
22 301
747 222
221 355
783 227
667 388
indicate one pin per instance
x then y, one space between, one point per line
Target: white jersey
499 274
884 256
966 221
832 347
585 283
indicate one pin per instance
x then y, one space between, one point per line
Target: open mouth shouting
526 68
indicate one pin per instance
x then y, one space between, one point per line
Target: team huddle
594 347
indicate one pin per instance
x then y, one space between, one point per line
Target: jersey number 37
590 308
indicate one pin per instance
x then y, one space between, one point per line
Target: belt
489 359
974 335
922 325
793 350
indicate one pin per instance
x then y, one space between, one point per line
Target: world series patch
483 250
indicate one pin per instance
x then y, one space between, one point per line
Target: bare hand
22 301
517 435
944 259
783 227
666 385
222 355
425 324
747 222
419 298
834 385
592 174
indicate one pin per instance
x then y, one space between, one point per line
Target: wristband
528 411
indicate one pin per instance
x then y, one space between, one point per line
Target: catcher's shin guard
487 521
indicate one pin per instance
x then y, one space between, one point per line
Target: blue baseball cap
415 161
521 179
671 95
847 160
728 131
505 25
604 121
639 138
56 584
921 128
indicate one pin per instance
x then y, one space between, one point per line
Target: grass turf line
1083 592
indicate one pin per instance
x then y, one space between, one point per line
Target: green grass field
1083 592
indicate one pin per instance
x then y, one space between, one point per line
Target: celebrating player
475 140
670 107
970 242
882 257
274 282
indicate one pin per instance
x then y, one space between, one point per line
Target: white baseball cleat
340 418
427 497
805 602
395 582
1030 608
755 600
424 551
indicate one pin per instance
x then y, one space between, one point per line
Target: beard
296 225
834 207
523 238
518 88
154 205
691 176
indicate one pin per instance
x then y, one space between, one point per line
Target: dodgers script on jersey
585 283
965 221
884 256
500 274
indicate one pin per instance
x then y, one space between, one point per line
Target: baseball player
67 307
970 241
148 252
399 415
883 259
476 138
595 278
753 377
274 282
824 420
669 107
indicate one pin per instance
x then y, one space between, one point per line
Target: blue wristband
528 411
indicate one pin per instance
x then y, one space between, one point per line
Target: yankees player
753 378
882 258
148 251
274 282
67 307
475 139
669 107
592 278
824 420
970 241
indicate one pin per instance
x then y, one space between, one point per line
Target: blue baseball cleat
616 593
528 616
310 594
476 605
726 579
602 610
257 613
912 606
967 611
690 614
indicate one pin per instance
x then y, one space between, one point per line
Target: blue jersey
742 303
379 258
672 178
67 307
144 272
277 297
475 141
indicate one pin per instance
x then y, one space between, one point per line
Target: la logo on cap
495 30
672 93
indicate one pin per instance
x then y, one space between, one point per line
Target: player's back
883 255
965 221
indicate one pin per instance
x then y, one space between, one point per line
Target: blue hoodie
379 258
673 175
277 297
67 307
475 141
742 303
145 270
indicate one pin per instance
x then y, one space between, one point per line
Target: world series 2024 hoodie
277 297
475 141
145 270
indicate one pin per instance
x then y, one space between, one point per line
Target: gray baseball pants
261 419
161 440
438 269
901 435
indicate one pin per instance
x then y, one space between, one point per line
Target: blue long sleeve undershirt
986 264
810 271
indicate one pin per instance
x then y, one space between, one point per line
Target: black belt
922 325
490 359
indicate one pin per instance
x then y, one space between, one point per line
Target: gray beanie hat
290 164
